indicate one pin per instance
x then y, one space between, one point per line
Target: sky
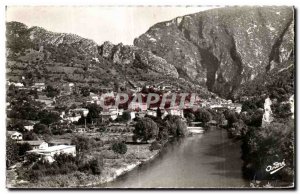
114 24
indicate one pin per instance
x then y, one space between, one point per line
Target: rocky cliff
219 49
226 47
40 55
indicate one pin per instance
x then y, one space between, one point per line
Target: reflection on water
200 161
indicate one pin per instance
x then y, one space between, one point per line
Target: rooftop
52 149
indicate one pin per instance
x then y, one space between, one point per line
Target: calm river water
210 160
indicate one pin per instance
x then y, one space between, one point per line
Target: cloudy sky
116 24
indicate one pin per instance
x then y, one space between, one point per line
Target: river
209 160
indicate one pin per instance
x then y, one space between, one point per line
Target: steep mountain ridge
219 49
41 55
223 48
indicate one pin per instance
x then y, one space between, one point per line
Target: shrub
12 150
126 116
96 165
190 117
155 146
119 148
23 148
249 105
30 135
231 117
264 146
175 126
145 129
203 115
41 129
82 143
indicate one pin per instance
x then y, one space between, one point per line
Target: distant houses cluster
106 116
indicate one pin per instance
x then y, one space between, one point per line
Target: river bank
209 160
113 167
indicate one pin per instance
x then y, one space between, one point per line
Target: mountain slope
223 48
39 55
220 50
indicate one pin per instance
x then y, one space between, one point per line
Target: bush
41 129
175 126
248 105
203 115
231 117
23 148
51 92
155 146
190 117
82 143
264 146
238 130
30 135
119 148
96 166
12 150
145 129
126 116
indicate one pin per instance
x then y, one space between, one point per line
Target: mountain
218 50
39 55
224 48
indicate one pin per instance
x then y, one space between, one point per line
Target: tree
12 150
145 129
126 116
262 146
119 148
82 143
51 92
41 129
203 115
94 111
31 158
249 105
85 91
96 165
18 126
158 113
231 117
30 135
23 148
48 118
175 126
256 119
17 36
190 117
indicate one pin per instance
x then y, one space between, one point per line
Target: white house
48 152
152 113
29 127
176 111
80 130
39 86
94 97
15 135
110 113
75 114
138 106
18 84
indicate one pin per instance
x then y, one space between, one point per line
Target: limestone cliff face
58 57
223 48
42 37
134 57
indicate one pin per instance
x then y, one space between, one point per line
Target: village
70 114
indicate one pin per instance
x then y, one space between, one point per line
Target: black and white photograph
150 97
